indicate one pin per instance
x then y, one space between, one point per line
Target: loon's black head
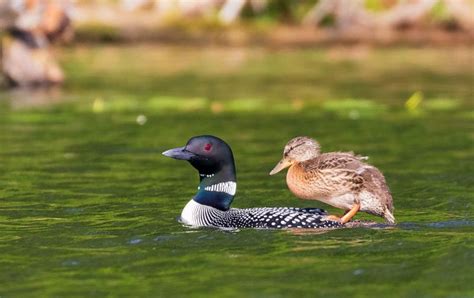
208 154
214 160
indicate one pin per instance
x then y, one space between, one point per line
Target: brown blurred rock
24 65
27 57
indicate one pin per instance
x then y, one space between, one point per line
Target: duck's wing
278 218
335 160
334 182
353 168
332 174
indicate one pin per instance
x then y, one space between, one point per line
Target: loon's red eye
208 147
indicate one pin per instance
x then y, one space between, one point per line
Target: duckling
210 207
340 179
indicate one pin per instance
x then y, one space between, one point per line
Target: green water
89 205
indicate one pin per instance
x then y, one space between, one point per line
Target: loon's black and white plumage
210 207
196 214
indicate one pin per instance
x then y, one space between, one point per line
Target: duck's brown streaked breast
304 184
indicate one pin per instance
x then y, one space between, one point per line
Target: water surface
89 205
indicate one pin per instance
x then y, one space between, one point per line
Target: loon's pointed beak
179 153
281 165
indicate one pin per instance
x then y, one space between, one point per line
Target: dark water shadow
448 224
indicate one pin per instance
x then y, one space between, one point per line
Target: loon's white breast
194 214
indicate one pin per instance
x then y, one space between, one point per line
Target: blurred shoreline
270 36
276 23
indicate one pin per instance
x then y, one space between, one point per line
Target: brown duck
340 179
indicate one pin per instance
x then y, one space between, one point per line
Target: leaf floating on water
217 107
412 104
98 105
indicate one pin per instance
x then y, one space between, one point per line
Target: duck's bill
179 153
283 164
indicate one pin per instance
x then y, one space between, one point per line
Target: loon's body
195 214
210 207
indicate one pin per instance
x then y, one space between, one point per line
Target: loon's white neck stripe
229 187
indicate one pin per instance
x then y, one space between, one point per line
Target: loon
340 179
210 207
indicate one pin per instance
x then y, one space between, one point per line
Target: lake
89 205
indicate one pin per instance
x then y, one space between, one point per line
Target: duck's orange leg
347 216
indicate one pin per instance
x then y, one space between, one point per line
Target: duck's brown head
297 150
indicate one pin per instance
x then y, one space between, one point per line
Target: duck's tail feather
389 217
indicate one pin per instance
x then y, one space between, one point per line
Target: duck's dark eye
208 147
